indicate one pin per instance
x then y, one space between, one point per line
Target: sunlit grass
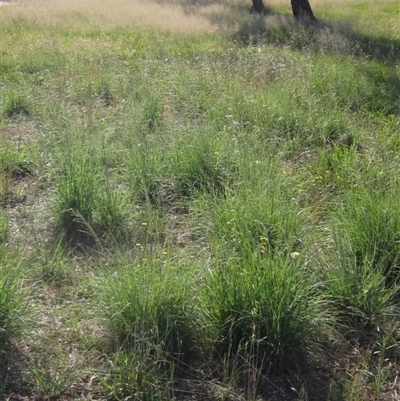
203 198
110 14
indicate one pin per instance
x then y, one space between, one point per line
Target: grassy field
199 203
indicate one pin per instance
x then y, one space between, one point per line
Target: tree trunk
258 5
302 10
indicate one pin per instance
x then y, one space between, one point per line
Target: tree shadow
332 38
335 39
378 48
381 49
251 28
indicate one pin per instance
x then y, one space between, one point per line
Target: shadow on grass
317 37
308 376
13 380
281 29
378 48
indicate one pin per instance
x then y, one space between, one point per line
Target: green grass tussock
251 222
150 306
369 223
359 293
268 307
75 202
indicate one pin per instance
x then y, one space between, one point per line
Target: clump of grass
147 166
131 375
15 162
52 266
149 307
369 221
76 193
330 174
259 217
201 167
5 188
152 113
359 292
256 301
88 203
17 104
154 322
14 165
265 306
102 88
112 210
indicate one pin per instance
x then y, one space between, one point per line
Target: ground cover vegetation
199 202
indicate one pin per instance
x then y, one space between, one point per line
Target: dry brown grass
188 17
166 16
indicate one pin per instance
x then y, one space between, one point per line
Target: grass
374 218
204 209
16 104
263 308
146 307
76 193
360 292
15 311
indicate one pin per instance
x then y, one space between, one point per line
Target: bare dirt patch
21 133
